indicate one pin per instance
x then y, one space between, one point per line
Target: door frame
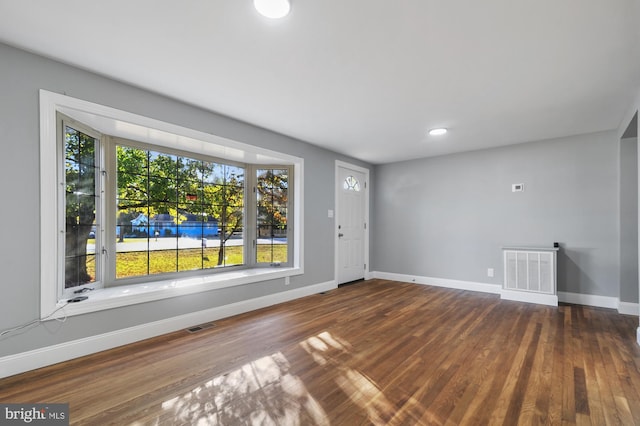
342 164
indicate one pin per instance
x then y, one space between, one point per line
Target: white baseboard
589 300
26 361
575 298
627 308
439 282
608 302
529 297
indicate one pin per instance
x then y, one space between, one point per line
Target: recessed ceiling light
273 9
438 132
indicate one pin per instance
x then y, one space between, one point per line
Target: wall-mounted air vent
530 275
200 327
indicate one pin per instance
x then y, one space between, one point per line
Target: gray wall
629 220
21 76
449 216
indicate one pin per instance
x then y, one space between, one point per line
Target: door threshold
351 282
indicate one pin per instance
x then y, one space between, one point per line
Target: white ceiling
365 78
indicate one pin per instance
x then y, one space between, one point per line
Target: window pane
132 264
132 186
213 194
191 227
86 150
163 189
213 173
280 248
231 243
189 169
351 184
80 207
163 165
189 259
234 195
163 261
271 215
132 160
133 223
210 227
190 191
184 207
234 175
72 144
210 254
270 251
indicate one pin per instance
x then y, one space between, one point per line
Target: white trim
159 133
627 308
48 203
125 295
588 300
367 188
440 282
529 297
30 360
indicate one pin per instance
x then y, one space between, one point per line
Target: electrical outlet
490 272
287 280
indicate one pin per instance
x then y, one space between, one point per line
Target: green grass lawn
134 264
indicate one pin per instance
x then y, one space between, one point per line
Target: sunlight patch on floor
261 392
333 352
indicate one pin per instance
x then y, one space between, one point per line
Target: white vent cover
530 271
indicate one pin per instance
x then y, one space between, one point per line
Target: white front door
350 224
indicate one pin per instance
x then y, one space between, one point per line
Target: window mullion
290 215
110 207
250 217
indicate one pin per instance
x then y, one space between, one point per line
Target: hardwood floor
376 352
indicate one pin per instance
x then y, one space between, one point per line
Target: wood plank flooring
377 352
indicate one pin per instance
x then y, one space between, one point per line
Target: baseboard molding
589 300
439 282
529 297
30 360
625 308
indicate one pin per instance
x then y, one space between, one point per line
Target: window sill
114 297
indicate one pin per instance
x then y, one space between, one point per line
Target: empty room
299 212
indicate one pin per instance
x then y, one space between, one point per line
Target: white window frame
62 123
111 191
118 123
290 218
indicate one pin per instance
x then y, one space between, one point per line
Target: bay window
138 207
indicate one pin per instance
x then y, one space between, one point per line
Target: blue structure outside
164 225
